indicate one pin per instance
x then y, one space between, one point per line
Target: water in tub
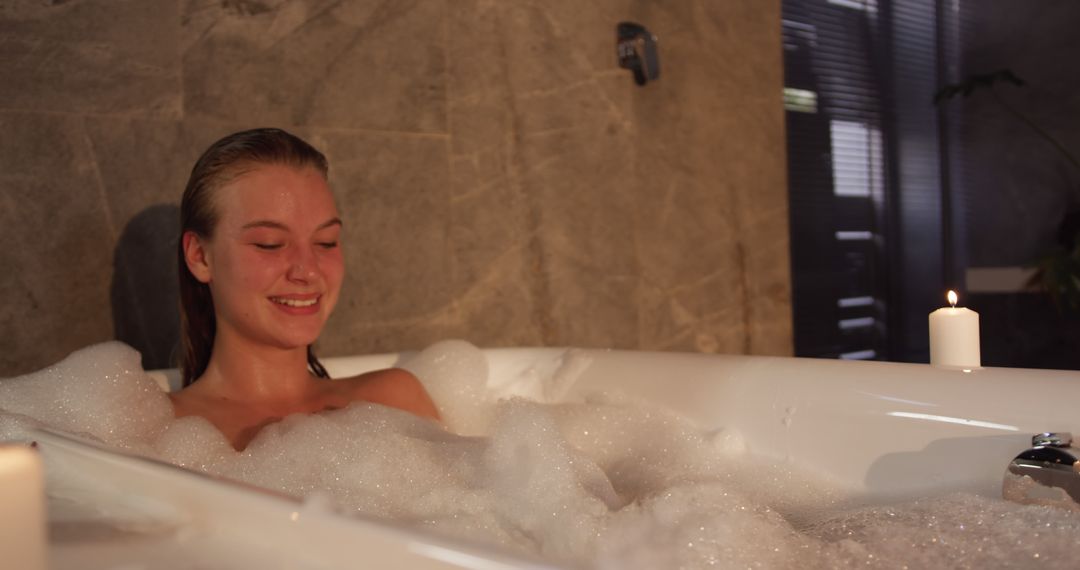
610 483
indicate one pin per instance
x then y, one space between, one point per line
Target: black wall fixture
636 49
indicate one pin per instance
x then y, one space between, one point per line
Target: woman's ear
196 256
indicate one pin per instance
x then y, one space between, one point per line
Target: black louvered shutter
871 219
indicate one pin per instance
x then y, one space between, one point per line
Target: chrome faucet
1047 474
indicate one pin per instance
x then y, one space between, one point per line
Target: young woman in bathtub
261 266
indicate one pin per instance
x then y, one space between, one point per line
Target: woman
260 271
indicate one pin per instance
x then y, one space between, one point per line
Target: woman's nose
303 266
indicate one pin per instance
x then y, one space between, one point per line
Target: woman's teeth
294 302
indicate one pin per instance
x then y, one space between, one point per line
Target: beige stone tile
763 227
58 244
582 194
687 232
602 315
709 315
147 162
502 312
627 190
589 28
479 111
393 195
586 235
358 65
496 276
586 205
714 131
486 226
97 56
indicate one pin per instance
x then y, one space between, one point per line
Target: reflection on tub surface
609 482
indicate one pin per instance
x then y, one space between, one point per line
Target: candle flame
952 298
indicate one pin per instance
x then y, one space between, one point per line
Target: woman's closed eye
267 246
327 244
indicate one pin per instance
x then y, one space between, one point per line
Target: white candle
954 336
22 509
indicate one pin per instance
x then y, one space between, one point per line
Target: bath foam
100 391
455 374
954 531
370 459
193 442
552 480
525 487
610 482
702 525
626 437
551 493
14 428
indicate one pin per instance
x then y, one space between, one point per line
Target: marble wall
500 178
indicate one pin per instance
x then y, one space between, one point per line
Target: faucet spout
1047 474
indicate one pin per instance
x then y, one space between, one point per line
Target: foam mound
101 391
455 374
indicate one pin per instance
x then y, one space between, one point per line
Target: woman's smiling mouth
294 303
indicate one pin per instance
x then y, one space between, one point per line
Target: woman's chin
295 338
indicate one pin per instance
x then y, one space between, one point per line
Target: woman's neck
245 371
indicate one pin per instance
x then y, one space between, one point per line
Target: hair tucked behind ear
222 162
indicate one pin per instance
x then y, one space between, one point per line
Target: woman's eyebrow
331 222
264 224
280 226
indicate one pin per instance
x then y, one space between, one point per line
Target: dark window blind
869 228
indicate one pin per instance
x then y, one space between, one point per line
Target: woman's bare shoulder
394 387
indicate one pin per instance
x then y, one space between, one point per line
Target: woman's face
274 264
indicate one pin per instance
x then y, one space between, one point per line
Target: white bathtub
882 431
